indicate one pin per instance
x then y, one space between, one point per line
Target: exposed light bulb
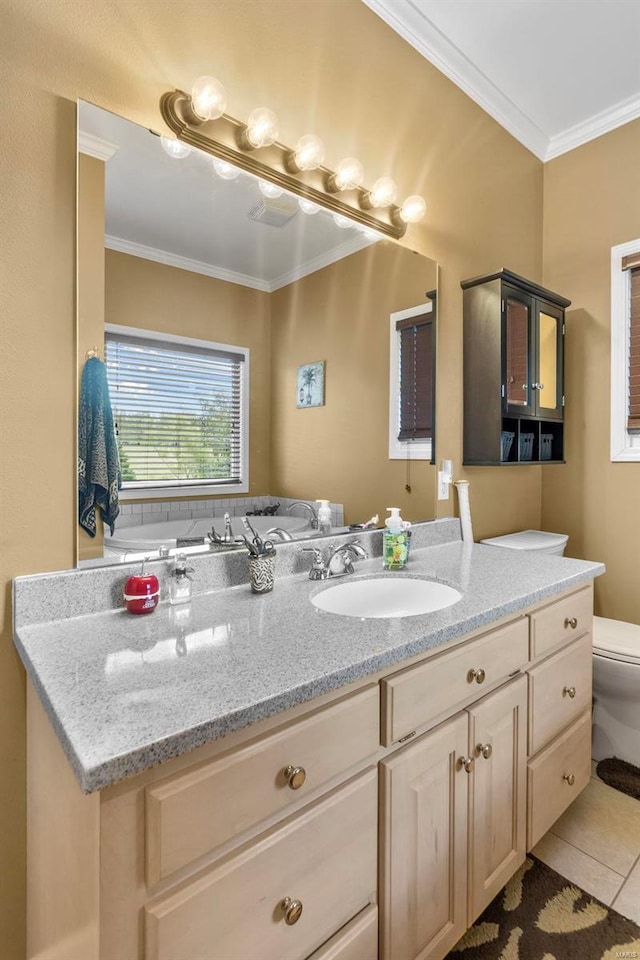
413 209
349 174
370 235
208 98
308 206
262 127
175 149
383 193
343 222
269 190
309 153
226 171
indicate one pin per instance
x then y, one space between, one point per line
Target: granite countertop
124 692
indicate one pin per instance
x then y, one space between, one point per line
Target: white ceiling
554 73
180 213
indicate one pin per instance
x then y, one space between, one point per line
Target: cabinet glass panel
548 354
517 345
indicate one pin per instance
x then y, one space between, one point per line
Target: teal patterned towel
99 477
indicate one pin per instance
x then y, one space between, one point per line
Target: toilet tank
538 541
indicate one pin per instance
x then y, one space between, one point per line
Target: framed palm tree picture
310 385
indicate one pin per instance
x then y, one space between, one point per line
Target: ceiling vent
274 212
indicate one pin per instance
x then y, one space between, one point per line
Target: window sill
180 491
411 451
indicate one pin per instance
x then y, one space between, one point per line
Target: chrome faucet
279 532
340 562
303 503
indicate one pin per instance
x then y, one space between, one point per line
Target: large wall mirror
260 351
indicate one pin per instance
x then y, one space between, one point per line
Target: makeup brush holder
262 572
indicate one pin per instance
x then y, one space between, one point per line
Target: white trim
413 26
595 126
625 446
323 260
179 487
402 449
183 263
95 147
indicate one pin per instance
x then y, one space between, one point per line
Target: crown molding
600 123
184 263
323 260
95 147
412 25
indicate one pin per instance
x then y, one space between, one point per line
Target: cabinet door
549 361
497 741
424 843
517 353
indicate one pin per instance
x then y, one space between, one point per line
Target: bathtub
152 536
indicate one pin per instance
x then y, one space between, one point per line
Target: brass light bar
273 165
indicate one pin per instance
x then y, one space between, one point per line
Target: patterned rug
541 916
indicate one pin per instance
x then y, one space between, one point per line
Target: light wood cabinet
194 859
453 824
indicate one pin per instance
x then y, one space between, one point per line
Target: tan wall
333 67
591 203
90 292
153 296
341 451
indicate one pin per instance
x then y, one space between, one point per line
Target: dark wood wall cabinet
513 371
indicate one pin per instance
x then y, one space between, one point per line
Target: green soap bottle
395 541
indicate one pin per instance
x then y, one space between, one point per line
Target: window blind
416 378
177 410
632 263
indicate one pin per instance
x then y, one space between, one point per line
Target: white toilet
616 690
616 664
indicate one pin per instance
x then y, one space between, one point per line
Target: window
181 412
411 392
625 352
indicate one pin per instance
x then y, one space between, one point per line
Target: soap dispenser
395 541
324 517
180 583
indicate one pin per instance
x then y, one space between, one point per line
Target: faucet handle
319 570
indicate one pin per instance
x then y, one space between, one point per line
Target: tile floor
596 845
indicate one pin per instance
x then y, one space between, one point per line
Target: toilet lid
529 540
616 639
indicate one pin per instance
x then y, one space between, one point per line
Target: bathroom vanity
335 787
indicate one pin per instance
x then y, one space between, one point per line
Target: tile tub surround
134 513
124 693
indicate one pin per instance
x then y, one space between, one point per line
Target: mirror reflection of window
517 353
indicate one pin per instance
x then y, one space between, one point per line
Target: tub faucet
279 532
302 503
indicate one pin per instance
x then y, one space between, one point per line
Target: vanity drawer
418 694
357 941
559 691
556 776
562 621
325 857
189 814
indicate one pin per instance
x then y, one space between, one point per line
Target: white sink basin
387 596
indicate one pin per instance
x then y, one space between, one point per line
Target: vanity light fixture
348 176
343 222
198 121
308 154
175 149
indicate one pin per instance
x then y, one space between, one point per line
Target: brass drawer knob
569 692
465 763
295 776
292 910
571 622
484 750
477 675
570 778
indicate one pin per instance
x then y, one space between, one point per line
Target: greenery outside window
181 412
